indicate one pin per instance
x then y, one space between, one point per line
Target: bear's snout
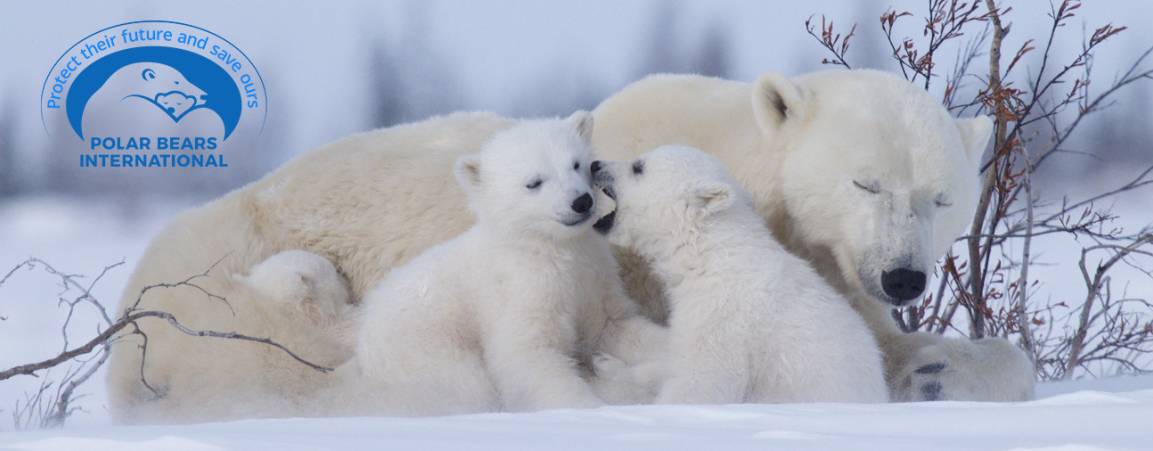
583 203
903 284
602 177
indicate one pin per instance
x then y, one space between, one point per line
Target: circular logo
154 93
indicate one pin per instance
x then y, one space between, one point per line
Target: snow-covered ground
82 236
75 236
1074 421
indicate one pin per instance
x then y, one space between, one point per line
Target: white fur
295 298
491 319
367 203
749 322
797 146
302 281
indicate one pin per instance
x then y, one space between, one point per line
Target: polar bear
149 97
496 318
306 284
295 298
859 172
748 321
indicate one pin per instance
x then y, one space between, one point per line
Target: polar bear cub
749 322
296 284
491 320
301 282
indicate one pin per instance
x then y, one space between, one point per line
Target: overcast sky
314 53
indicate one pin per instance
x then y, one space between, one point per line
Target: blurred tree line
410 79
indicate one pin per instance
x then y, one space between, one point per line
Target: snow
1078 420
77 236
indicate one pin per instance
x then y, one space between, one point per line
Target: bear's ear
467 171
975 133
776 100
709 198
582 121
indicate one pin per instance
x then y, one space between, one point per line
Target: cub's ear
467 171
709 198
777 101
975 133
582 121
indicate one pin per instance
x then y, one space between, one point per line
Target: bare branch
832 41
54 400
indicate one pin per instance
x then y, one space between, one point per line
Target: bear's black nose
583 204
903 284
596 166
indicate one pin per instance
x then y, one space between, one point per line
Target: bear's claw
931 391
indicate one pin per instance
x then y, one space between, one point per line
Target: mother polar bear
859 172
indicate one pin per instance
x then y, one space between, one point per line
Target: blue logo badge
154 93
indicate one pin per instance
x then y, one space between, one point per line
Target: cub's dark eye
872 188
576 166
638 167
942 201
534 184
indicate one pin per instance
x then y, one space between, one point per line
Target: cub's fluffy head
873 171
533 178
663 194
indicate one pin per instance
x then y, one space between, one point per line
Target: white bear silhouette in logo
142 99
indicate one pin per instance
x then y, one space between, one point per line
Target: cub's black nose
903 284
583 204
596 166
